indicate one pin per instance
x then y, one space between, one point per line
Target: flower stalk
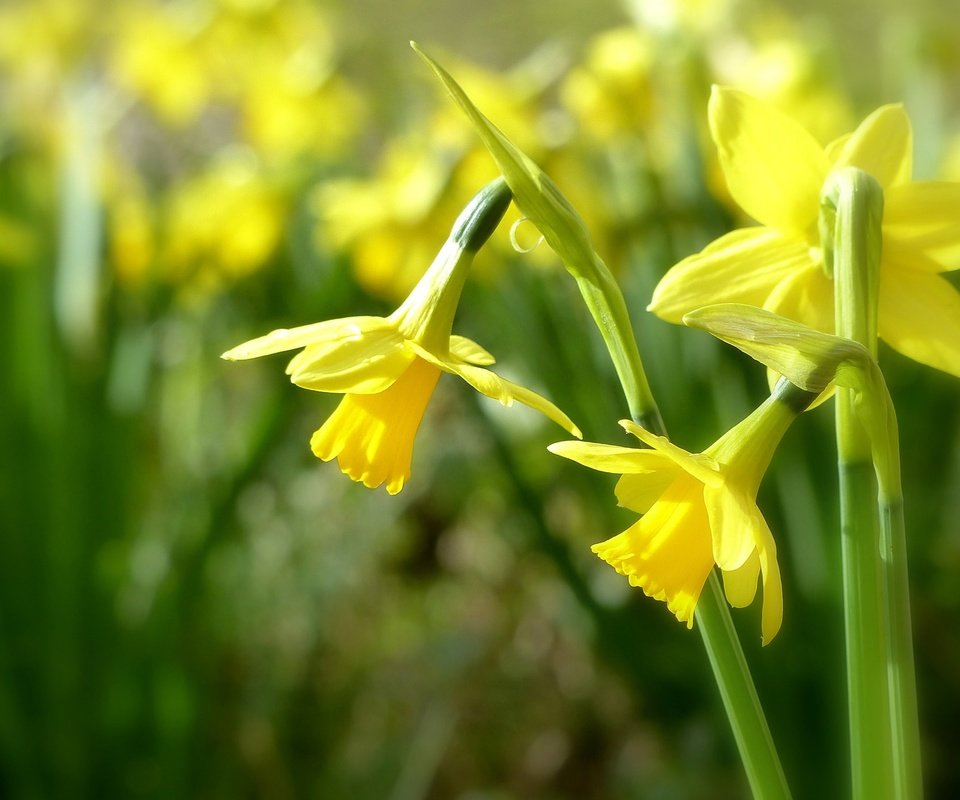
542 202
884 732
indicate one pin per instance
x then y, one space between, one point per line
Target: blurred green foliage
192 606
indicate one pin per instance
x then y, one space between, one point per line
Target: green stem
730 670
739 696
884 735
902 676
543 203
869 712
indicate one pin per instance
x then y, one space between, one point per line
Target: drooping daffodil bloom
699 510
776 172
388 367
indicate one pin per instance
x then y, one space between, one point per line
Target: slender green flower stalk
542 202
884 730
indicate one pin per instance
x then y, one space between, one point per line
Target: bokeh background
192 606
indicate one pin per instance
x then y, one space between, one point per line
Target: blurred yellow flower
698 510
160 58
388 367
776 170
223 223
611 93
422 177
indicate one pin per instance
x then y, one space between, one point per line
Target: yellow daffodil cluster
205 118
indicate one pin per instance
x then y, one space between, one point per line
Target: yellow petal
923 216
701 467
740 585
667 553
919 315
468 350
806 295
612 458
732 518
362 366
331 332
492 385
742 267
772 614
640 491
882 145
773 166
372 435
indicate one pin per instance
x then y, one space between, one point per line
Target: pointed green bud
536 194
544 205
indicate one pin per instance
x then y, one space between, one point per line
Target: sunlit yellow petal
492 385
919 315
668 552
468 350
363 366
742 267
806 295
772 614
640 491
332 332
882 145
740 585
773 166
835 148
701 467
371 436
613 458
921 225
731 516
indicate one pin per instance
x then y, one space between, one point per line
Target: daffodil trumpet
387 367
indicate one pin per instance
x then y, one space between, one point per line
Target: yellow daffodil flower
776 170
388 367
698 510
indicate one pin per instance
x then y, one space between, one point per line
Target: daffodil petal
805 295
882 145
492 385
331 332
364 366
740 584
468 350
639 492
667 553
835 148
773 166
613 458
921 225
919 315
732 519
741 267
701 467
772 613
372 436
